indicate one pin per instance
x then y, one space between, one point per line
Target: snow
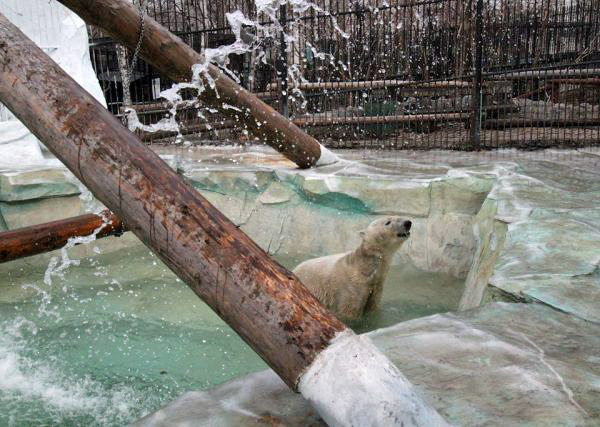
63 36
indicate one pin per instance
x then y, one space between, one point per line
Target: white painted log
351 383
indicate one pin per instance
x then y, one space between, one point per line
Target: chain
139 43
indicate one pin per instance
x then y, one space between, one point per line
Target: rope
139 43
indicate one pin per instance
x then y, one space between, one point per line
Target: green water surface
119 336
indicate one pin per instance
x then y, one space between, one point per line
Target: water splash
24 380
252 36
57 267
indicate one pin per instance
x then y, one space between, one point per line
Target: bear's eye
388 223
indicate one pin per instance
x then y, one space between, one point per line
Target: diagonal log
345 377
219 262
46 237
174 59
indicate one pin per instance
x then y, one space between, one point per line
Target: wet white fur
350 284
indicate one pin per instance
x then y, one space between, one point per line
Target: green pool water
118 336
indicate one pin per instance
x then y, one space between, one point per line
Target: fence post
477 107
282 61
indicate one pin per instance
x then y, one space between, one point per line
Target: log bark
261 300
174 59
37 239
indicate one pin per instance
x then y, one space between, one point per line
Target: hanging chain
139 43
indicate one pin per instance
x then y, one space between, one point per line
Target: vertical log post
262 301
174 59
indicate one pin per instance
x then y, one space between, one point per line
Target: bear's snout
403 228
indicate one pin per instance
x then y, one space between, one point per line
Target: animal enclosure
427 74
490 310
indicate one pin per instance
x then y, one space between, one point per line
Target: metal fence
458 74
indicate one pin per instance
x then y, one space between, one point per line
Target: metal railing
458 74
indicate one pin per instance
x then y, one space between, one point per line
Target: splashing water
107 342
24 379
56 269
250 38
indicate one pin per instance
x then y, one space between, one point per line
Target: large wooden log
174 59
262 301
46 237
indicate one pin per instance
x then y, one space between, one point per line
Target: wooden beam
540 123
261 300
544 74
174 59
37 239
314 121
376 84
408 118
186 130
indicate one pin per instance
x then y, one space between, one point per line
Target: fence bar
477 78
261 300
174 59
46 237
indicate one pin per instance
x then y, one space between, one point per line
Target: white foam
25 379
351 383
63 36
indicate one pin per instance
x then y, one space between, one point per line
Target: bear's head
386 235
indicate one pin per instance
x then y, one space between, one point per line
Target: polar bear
350 284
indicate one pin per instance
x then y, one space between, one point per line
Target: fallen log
174 59
344 376
37 239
